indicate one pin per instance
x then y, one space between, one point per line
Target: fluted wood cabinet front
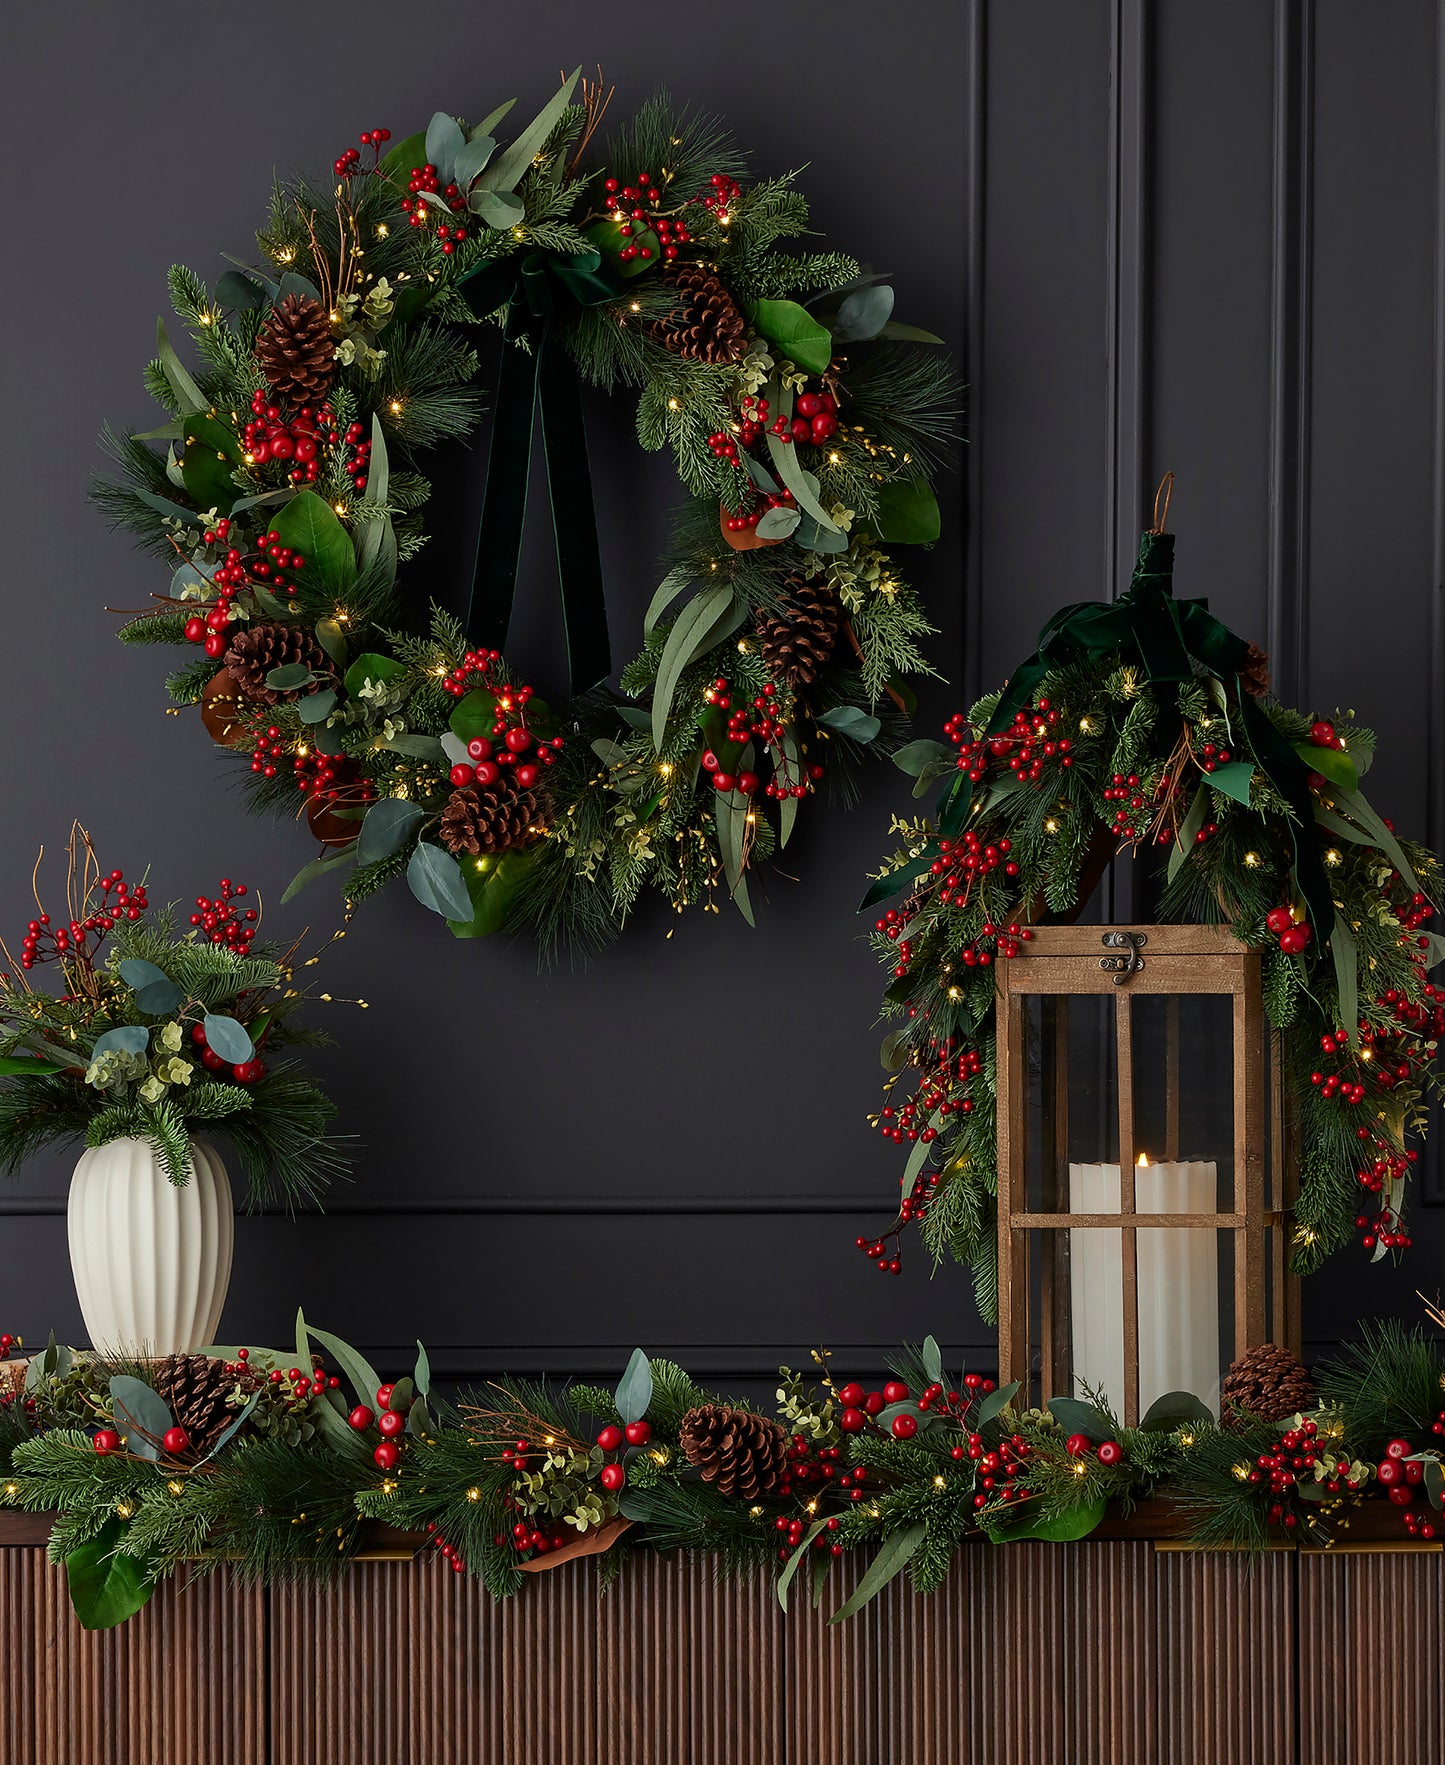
1039 1654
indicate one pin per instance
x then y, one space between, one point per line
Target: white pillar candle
1178 1270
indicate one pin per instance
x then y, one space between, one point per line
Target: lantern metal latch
1121 967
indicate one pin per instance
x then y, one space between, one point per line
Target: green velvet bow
535 374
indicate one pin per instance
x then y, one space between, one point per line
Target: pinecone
488 817
799 637
705 325
1254 672
1268 1382
257 649
296 351
740 1452
195 1389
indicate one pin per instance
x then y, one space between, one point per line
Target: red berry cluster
722 190
358 459
8 1343
997 1471
269 562
1126 792
424 181
794 1531
1030 742
960 863
348 164
1294 938
390 1424
1322 735
222 921
244 1072
815 419
268 750
331 778
1282 1467
79 939
273 437
635 207
763 500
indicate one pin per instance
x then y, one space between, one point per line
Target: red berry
391 1423
1078 1445
851 1396
519 740
195 629
905 1427
462 774
106 1440
639 1433
1398 1449
874 1402
361 1417
1279 919
612 1477
175 1440
610 1438
479 748
1110 1452
852 1421
895 1391
387 1454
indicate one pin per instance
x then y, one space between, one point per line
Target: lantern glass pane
1148 1079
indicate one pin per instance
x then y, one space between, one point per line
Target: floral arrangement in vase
155 1032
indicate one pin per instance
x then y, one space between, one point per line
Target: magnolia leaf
155 992
385 828
1173 1410
893 1555
228 1038
897 333
309 525
1331 763
634 1389
848 720
1077 1521
16 1066
794 330
399 161
371 666
907 514
107 1585
1075 1416
436 879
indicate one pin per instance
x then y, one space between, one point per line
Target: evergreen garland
524 1474
288 492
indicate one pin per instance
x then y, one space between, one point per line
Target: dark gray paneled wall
1201 238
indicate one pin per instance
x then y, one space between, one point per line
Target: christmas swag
1145 725
238 1457
285 493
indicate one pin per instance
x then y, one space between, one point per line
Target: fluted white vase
151 1258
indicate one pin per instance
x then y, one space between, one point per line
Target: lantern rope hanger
1145 725
286 492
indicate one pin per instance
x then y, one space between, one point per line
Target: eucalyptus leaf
893 1555
509 167
778 523
666 593
498 208
799 1556
188 395
916 757
1184 839
293 282
155 992
863 314
933 1360
321 866
814 537
994 1403
385 828
634 1389
228 1038
471 158
289 677
317 707
436 879
444 141
689 632
129 1038
421 1373
142 1417
241 292
365 1382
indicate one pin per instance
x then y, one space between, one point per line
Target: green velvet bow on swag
536 378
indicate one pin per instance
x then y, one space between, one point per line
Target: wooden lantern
1142 1163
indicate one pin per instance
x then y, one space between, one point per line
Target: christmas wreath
1145 726
286 493
236 1456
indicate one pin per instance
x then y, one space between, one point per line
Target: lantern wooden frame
1060 962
